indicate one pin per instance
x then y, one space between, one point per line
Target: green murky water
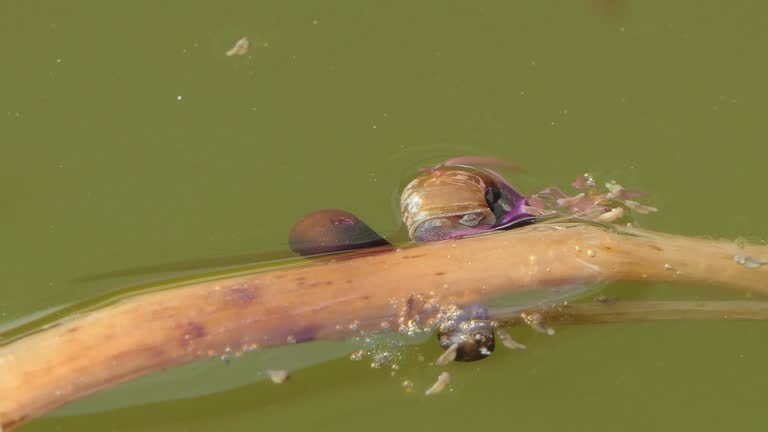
128 139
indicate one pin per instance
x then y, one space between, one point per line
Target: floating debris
585 181
607 205
380 359
442 382
749 262
507 341
640 208
239 48
407 385
536 322
605 300
278 376
613 215
448 356
357 355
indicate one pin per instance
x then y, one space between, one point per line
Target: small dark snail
469 335
331 230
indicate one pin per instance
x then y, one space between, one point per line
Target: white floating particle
278 376
239 48
407 385
611 216
507 341
357 355
448 356
442 382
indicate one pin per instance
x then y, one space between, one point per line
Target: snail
468 336
451 200
331 230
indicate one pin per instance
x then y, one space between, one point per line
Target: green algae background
129 140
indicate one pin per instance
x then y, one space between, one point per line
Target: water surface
128 139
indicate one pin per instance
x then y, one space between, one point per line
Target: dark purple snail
331 230
451 200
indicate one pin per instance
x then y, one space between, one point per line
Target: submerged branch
335 298
624 311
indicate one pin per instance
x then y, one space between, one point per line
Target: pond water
129 139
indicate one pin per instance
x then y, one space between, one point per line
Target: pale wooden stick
333 299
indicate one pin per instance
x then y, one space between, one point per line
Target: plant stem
336 298
624 311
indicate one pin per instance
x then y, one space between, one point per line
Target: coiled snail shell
456 200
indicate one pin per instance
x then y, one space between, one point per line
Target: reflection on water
210 376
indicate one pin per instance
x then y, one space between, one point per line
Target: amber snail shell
444 200
455 201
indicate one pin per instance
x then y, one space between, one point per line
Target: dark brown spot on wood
413 256
243 293
329 283
439 273
73 329
14 422
191 331
307 333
